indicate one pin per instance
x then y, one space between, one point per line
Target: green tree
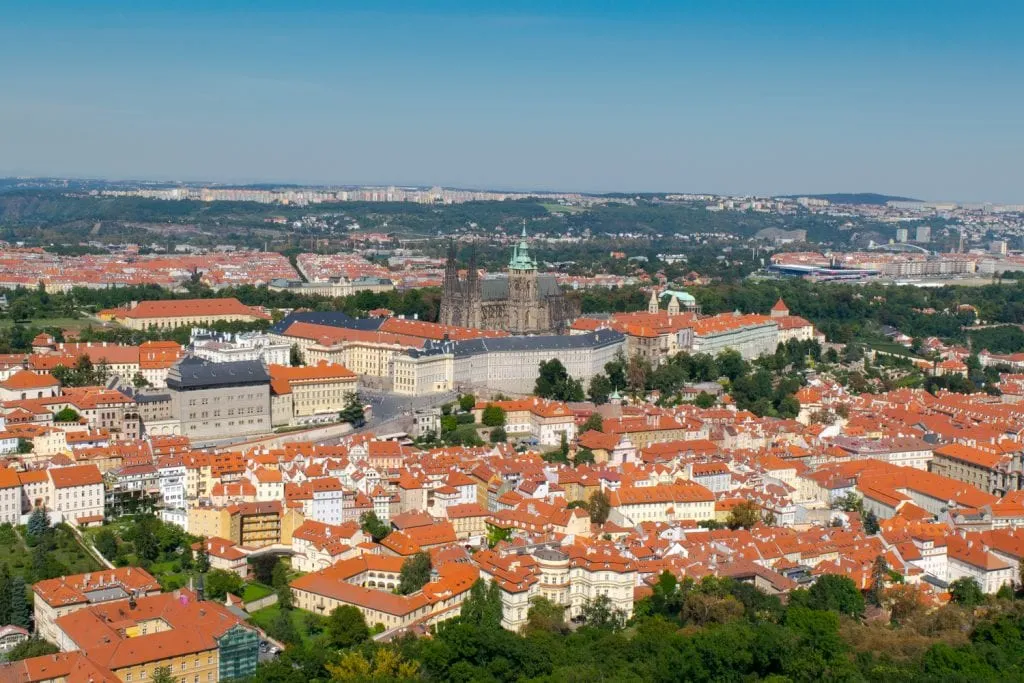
385 664
600 613
279 575
67 415
371 524
106 543
143 537
850 502
415 573
788 407
584 456
482 608
731 364
353 411
836 593
493 416
38 523
705 400
744 516
545 615
220 582
21 611
871 524
162 674
346 627
879 575
5 594
295 358
187 559
554 382
496 535
202 560
33 647
599 389
593 423
966 592
599 507
285 599
263 567
448 424
139 381
498 435
467 402
282 627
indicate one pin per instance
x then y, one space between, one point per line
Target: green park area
43 553
562 208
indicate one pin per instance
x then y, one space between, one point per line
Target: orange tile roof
179 308
23 379
72 590
79 475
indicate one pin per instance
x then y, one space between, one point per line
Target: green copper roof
521 259
682 296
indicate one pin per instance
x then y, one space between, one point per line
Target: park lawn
71 554
255 591
265 617
560 208
15 556
893 348
68 552
165 573
62 323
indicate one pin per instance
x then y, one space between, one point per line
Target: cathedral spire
521 259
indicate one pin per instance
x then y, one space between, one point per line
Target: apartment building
571 576
546 421
751 335
226 347
10 497
903 451
420 374
253 525
682 500
317 545
78 494
314 393
25 384
220 400
980 468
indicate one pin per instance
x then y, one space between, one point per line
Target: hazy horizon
749 98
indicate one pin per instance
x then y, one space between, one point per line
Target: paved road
392 412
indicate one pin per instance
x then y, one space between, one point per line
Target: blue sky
917 98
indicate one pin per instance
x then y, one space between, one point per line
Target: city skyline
598 97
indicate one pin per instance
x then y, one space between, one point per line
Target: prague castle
521 302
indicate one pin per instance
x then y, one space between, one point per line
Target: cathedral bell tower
522 288
473 294
451 298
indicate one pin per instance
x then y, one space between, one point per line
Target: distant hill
854 198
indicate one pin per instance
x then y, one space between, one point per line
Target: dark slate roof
152 397
540 342
495 288
329 318
197 373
